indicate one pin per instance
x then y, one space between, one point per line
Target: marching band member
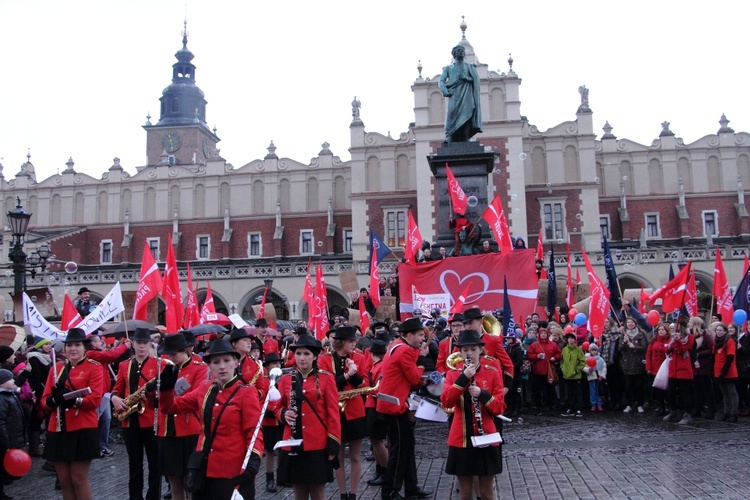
376 428
448 345
399 374
473 321
72 432
309 405
228 433
177 434
475 389
138 428
289 361
349 368
272 428
192 342
250 370
261 333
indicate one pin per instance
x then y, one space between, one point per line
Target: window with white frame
153 244
348 241
710 223
105 253
306 242
652 225
254 245
203 247
553 219
394 219
604 226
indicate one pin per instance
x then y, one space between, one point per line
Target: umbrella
130 325
206 328
217 319
12 335
269 331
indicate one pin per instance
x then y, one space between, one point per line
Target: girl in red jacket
475 390
680 349
655 356
725 371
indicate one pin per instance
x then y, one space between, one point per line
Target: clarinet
477 406
295 409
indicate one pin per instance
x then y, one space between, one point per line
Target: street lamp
18 221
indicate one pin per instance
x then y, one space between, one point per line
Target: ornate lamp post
18 221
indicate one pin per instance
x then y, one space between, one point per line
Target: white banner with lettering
105 310
36 322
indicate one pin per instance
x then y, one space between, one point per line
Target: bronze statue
460 83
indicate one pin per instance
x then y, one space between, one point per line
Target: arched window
538 166
655 176
570 159
372 174
312 194
33 207
259 199
497 104
149 204
102 207
714 174
126 203
339 192
436 108
224 197
685 173
402 172
285 195
55 207
626 176
199 201
743 170
174 200
79 203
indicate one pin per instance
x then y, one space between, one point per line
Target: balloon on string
572 312
16 462
740 316
585 346
580 319
569 329
653 317
591 362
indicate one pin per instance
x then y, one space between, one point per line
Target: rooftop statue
460 83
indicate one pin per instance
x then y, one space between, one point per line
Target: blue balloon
739 317
580 319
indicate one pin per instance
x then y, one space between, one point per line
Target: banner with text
36 322
108 308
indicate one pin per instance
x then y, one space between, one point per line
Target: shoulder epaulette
199 363
93 361
490 357
489 367
326 372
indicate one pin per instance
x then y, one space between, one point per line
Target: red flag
262 311
642 299
458 306
495 217
691 297
578 277
172 293
673 293
364 316
208 305
599 305
70 316
413 242
192 314
721 290
374 280
570 287
307 293
149 284
539 246
458 198
321 297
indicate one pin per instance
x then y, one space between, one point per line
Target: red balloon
653 317
17 462
569 329
591 362
585 346
572 313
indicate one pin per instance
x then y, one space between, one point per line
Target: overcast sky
78 77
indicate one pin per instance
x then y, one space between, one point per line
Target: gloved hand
168 378
248 475
58 399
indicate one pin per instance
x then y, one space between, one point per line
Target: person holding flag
459 206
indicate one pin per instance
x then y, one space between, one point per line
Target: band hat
469 337
83 289
457 317
173 344
256 345
272 358
301 330
377 347
141 334
220 347
189 337
239 333
261 322
345 333
411 325
75 335
307 342
471 314
379 324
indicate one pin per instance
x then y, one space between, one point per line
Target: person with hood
633 350
725 371
40 359
542 353
680 348
572 362
595 376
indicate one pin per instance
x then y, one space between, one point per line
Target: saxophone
134 402
345 396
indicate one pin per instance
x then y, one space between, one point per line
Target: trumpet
345 396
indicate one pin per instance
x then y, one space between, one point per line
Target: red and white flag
495 217
459 200
70 317
192 313
308 291
599 304
171 293
208 305
149 284
375 280
413 242
570 288
364 316
458 306
673 293
321 297
746 266
642 300
691 297
540 247
721 290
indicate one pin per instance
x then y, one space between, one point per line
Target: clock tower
181 136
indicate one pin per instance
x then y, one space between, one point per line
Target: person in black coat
13 422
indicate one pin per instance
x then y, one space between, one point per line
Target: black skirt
307 467
376 428
72 446
351 430
474 461
174 453
272 434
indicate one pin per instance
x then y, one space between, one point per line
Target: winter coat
550 349
743 356
573 361
704 356
681 365
633 361
600 370
610 346
13 421
656 353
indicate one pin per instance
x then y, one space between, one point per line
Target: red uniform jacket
355 407
269 346
445 349
106 358
236 426
550 349
656 353
681 365
720 357
173 425
399 374
320 412
122 389
251 373
372 398
493 346
455 394
86 373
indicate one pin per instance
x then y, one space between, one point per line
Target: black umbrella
130 325
206 328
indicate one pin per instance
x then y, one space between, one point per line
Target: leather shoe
420 494
376 481
271 486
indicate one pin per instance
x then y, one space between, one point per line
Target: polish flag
459 304
364 316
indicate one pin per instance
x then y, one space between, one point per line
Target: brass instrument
135 401
345 396
491 325
453 360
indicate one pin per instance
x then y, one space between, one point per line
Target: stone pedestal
470 164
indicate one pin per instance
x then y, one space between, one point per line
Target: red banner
721 290
599 305
482 273
458 198
413 242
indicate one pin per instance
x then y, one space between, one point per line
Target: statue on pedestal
460 83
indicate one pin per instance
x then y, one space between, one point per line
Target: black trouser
540 385
703 391
573 393
136 440
402 463
634 389
615 381
743 392
222 489
685 387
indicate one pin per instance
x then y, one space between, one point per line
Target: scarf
44 359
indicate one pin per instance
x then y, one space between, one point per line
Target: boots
686 419
270 483
671 416
662 410
379 476
35 448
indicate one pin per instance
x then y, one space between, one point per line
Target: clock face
208 148
171 142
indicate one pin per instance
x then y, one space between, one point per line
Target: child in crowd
571 364
13 422
595 376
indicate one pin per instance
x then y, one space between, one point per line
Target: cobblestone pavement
607 455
